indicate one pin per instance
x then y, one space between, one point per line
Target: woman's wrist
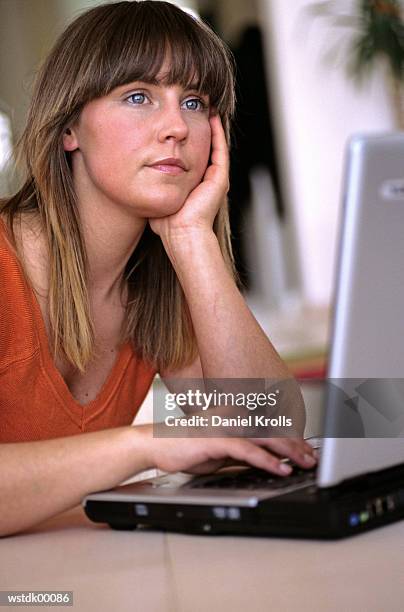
181 244
140 442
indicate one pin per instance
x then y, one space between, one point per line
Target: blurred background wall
317 110
314 109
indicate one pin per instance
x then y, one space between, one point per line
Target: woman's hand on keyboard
204 455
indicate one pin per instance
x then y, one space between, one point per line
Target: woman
115 263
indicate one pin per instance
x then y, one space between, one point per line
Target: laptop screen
364 405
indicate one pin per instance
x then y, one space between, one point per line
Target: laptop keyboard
253 478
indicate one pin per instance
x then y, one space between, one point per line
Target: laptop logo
392 189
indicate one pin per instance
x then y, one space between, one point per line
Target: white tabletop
116 571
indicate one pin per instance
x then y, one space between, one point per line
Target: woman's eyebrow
194 86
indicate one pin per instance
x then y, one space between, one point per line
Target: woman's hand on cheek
202 204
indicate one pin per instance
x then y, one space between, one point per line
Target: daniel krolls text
214 420
203 401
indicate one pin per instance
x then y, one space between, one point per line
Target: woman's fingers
202 455
220 151
295 449
256 456
257 453
219 166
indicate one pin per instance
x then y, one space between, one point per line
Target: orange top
35 402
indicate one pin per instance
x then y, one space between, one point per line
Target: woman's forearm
41 479
231 343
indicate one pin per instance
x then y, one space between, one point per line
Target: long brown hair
109 46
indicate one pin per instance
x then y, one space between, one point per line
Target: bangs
133 41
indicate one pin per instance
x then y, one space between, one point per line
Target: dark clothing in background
253 141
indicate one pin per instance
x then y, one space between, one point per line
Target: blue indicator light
233 514
141 510
353 520
219 512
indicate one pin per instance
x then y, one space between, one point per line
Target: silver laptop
359 483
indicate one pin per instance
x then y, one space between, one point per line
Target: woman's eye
137 98
194 104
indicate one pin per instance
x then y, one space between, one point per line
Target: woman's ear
70 140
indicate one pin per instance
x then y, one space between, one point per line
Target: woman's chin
165 208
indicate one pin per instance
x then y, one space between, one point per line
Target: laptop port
377 506
388 503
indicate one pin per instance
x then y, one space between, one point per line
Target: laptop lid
364 408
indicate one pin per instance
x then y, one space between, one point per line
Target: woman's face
143 147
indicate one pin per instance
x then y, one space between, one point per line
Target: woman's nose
172 125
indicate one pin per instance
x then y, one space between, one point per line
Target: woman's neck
110 233
109 242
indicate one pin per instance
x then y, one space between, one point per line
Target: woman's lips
168 169
169 165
